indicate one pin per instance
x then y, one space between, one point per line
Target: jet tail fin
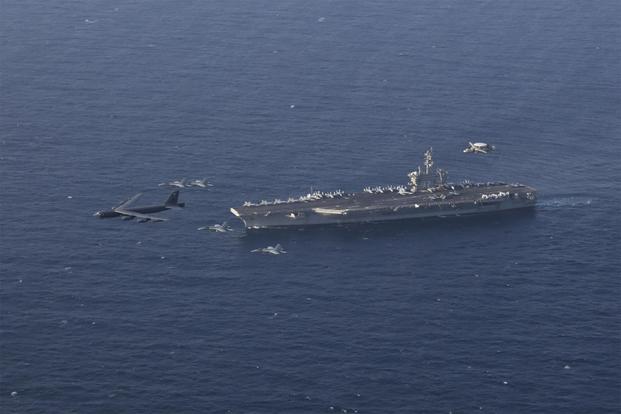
173 200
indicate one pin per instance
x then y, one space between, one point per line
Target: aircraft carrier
426 195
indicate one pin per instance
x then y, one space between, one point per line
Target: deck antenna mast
442 174
428 160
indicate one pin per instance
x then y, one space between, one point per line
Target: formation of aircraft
187 184
270 250
479 147
143 214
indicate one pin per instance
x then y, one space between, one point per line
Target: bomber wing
128 201
138 215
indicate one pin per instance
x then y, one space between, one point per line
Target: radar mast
423 178
428 160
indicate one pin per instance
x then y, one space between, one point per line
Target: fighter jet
141 213
174 183
217 228
270 250
200 183
479 147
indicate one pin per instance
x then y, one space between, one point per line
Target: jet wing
129 201
138 215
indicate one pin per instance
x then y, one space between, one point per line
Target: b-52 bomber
143 214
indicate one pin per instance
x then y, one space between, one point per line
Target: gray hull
363 207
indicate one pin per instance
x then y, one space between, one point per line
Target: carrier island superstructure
426 195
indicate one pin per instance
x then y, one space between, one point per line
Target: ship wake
567 201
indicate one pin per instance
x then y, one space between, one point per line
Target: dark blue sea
511 313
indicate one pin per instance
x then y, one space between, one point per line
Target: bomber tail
173 200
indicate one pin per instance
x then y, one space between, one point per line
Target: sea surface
512 313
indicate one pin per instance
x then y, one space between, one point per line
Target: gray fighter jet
141 213
175 183
199 183
270 250
217 228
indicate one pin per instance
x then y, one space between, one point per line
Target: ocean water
513 313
